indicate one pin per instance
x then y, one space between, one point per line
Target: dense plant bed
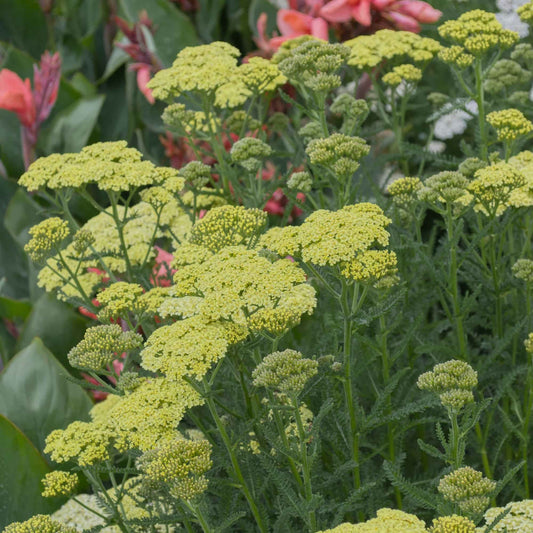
317 319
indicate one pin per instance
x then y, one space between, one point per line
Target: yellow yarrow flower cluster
241 286
228 226
404 191
453 381
387 521
118 300
368 51
59 483
189 347
406 73
452 524
456 55
468 489
101 345
522 196
39 524
47 236
445 187
528 343
179 465
519 519
477 31
523 269
509 124
526 12
341 239
493 186
111 165
212 70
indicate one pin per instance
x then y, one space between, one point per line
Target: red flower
16 96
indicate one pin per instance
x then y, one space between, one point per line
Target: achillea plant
362 368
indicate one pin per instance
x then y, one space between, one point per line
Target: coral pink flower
292 24
16 96
346 10
407 14
162 273
144 74
31 107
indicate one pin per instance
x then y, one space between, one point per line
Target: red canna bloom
16 96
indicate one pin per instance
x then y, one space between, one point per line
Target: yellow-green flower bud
59 483
39 524
47 236
452 524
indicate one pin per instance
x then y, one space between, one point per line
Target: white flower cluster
454 122
508 17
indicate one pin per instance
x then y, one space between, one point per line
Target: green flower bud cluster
438 99
452 524
59 483
394 47
350 108
468 489
338 152
477 31
470 166
456 55
504 74
83 239
314 64
523 269
404 192
101 345
528 343
402 73
509 124
228 226
196 174
300 181
47 236
523 54
249 152
237 120
39 523
519 517
287 371
179 465
452 381
311 130
157 197
444 187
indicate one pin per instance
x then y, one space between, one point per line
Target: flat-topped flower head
493 186
505 74
510 124
59 483
387 521
478 31
300 181
189 347
118 300
340 153
519 517
391 47
402 73
47 237
228 226
456 55
287 371
452 381
201 69
180 465
145 416
196 174
452 524
371 266
39 524
113 166
85 443
468 489
242 286
101 345
332 237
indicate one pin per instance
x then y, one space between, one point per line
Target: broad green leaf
174 29
13 263
71 128
12 309
21 214
36 395
58 325
21 469
23 23
117 58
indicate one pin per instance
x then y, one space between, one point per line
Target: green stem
120 229
480 99
305 462
454 459
199 516
234 461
